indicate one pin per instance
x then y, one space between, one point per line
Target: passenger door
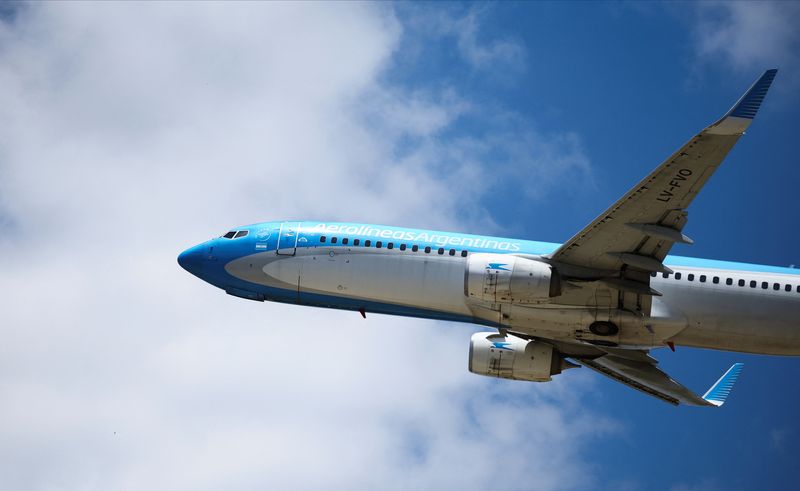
287 238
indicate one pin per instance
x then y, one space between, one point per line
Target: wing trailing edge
641 373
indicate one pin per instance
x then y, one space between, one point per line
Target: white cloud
482 55
703 485
749 35
131 131
464 29
777 438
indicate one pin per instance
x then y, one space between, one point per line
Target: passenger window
463 253
753 284
415 248
345 240
741 282
402 247
441 250
241 233
229 235
356 241
665 275
677 276
764 285
716 280
788 288
379 244
333 240
367 243
776 286
729 281
690 277
322 239
798 288
427 249
452 252
390 245
653 274
702 278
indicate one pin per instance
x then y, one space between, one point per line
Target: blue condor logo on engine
439 239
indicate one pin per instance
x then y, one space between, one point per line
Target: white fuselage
711 310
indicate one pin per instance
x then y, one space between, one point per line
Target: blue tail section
720 391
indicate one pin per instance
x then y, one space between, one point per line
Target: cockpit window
235 234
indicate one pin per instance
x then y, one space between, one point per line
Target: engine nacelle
504 278
508 356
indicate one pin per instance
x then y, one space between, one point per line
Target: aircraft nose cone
191 259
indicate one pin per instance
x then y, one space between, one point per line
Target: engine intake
507 356
504 278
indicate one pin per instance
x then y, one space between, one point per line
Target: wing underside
620 250
628 242
638 370
644 377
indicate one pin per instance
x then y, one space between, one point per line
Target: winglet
742 113
748 105
720 391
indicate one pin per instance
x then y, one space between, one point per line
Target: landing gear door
287 238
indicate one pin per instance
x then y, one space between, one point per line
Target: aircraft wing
637 369
628 241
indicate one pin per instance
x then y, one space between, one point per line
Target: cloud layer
133 131
750 35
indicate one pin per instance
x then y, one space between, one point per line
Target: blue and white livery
602 300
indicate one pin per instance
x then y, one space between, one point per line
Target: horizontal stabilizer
720 391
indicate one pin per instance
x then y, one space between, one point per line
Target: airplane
603 300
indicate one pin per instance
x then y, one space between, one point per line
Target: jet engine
507 356
504 278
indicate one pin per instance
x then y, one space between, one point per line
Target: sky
133 131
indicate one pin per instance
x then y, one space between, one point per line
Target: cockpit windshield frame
235 234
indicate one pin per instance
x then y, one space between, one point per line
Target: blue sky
132 131
633 84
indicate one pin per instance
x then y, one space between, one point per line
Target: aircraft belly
565 322
284 270
763 322
705 316
427 282
278 273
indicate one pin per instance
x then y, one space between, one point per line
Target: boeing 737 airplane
602 300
